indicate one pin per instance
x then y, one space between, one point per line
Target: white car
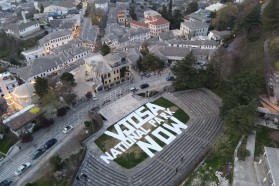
22 168
67 129
94 97
133 89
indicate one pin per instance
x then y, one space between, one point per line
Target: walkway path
244 172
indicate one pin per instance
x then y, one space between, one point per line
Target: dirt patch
275 136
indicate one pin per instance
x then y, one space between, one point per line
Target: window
108 75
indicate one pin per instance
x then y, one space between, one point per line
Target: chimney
23 16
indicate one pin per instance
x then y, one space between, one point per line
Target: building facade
22 30
193 28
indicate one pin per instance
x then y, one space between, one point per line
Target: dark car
142 86
146 74
50 143
37 153
170 78
6 182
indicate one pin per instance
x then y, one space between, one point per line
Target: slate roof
88 31
54 35
196 42
17 27
194 24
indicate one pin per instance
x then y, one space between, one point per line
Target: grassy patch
8 141
218 159
135 155
264 138
71 165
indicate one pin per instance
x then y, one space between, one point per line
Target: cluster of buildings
71 40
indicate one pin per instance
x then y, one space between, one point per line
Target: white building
32 54
56 39
23 29
9 81
102 4
202 44
24 95
194 28
215 7
218 35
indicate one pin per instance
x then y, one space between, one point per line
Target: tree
242 117
56 162
242 89
271 16
3 106
253 18
41 86
89 95
67 78
177 19
274 47
42 8
62 111
105 49
132 13
188 77
164 12
152 62
51 99
192 7
225 17
25 137
170 9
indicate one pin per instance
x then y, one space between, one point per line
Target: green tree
192 7
42 8
271 16
105 49
253 18
242 89
152 62
170 9
56 162
274 47
225 17
164 12
52 99
188 76
41 86
242 117
177 19
132 12
67 78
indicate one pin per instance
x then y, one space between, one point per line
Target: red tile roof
140 24
158 20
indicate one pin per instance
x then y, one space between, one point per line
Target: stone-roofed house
172 54
215 7
23 29
55 6
56 39
202 44
218 35
108 70
21 121
40 67
88 33
193 28
24 95
202 15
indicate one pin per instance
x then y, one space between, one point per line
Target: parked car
22 168
67 129
50 143
146 74
170 78
95 97
145 85
6 182
37 153
133 89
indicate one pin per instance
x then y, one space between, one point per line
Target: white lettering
130 128
176 126
107 157
147 115
119 134
167 140
119 146
168 111
115 152
164 115
152 122
159 120
154 108
147 146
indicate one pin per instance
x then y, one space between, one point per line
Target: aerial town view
139 92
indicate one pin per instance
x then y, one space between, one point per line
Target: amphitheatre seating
199 102
176 159
100 174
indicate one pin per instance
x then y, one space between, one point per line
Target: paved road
74 117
